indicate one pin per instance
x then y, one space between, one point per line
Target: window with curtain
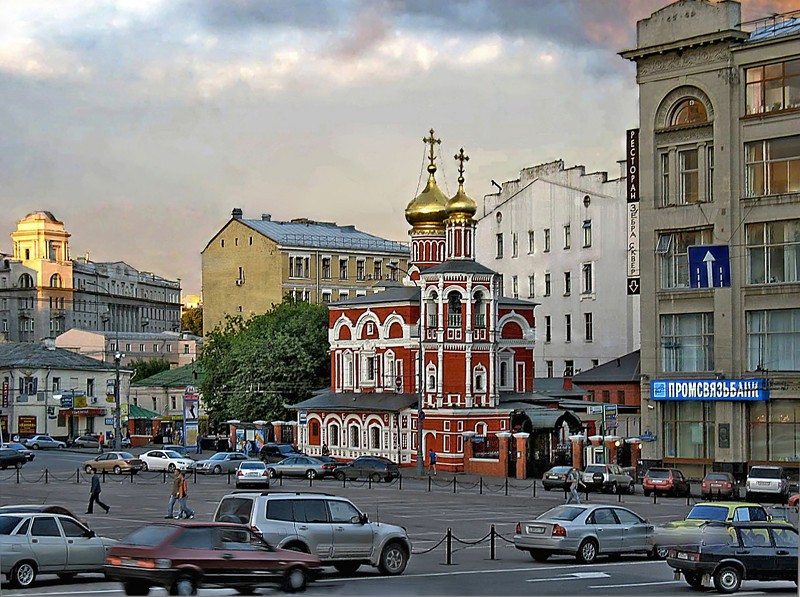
773 252
774 430
673 252
687 342
772 166
773 87
689 429
773 340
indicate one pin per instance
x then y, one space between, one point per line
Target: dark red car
718 486
183 557
665 481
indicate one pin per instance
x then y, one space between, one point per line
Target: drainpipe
46 385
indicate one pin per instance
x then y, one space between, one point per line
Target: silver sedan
221 462
300 466
252 473
585 532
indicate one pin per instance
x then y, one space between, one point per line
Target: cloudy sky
142 123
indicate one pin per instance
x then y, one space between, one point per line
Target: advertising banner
732 390
632 230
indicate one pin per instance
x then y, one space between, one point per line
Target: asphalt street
426 515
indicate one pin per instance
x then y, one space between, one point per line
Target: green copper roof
188 375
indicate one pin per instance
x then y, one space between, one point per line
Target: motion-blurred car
301 466
584 531
165 460
37 543
43 508
29 454
85 441
272 453
794 501
368 467
556 478
665 481
614 479
719 485
40 442
221 462
182 557
114 462
252 473
740 551
11 458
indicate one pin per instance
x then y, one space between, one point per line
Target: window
587 233
499 240
514 244
480 379
90 387
377 269
45 526
369 369
547 284
480 312
375 437
26 281
772 167
155 403
567 236
673 247
353 435
688 177
361 267
595 362
326 268
342 511
333 435
55 281
56 384
689 429
588 327
710 173
587 279
546 240
689 111
504 376
567 284
185 349
156 348
141 348
773 87
549 365
344 295
326 296
343 268
454 310
174 402
547 329
773 252
620 396
72 528
773 340
195 538
531 244
514 287
531 286
687 342
569 368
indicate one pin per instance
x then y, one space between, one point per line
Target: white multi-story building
559 237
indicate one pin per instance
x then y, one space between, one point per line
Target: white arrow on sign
709 261
571 576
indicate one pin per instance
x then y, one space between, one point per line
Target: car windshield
16 446
702 512
220 456
765 473
658 474
717 477
562 513
8 524
171 454
149 536
234 510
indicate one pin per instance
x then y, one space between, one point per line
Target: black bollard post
195 475
429 484
369 482
654 497
491 543
78 475
17 476
619 496
449 546
454 484
280 480
344 481
688 495
400 482
481 485
46 476
506 485
310 481
534 488
229 477
132 471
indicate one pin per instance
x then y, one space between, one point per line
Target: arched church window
430 309
333 435
454 310
689 111
480 311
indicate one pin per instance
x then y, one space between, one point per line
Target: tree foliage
144 368
254 367
192 320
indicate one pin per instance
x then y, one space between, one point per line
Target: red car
665 480
718 486
183 557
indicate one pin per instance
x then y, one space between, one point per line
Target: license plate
763 483
252 475
683 556
716 485
552 476
536 530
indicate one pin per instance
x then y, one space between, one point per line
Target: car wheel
117 469
394 559
185 585
272 474
339 476
539 556
87 469
35 446
376 478
217 470
66 576
171 467
22 575
136 588
661 552
646 492
587 552
694 580
295 580
727 579
144 466
246 590
546 488
17 465
311 474
347 567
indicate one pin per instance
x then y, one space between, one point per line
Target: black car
556 478
368 467
29 454
272 453
11 458
731 553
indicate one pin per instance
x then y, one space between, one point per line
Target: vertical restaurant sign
632 198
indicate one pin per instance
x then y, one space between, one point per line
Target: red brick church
475 347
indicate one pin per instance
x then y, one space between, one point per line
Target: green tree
144 368
192 320
254 368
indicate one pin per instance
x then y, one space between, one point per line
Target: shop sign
709 389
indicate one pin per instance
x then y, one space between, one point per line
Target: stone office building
719 159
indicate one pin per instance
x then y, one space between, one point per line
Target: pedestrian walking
574 479
174 494
432 461
94 494
325 450
183 496
247 449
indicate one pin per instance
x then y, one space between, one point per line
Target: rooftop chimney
266 217
568 384
237 213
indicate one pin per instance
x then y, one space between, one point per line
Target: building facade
44 292
558 236
250 265
178 349
719 149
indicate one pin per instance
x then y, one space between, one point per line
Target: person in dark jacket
94 496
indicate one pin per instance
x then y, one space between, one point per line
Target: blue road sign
709 266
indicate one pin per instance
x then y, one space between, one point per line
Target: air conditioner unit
239 282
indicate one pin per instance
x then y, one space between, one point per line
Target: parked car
665 481
221 462
252 473
43 508
719 485
368 467
160 460
11 458
85 441
767 481
182 557
114 462
556 478
36 543
327 526
29 454
794 501
752 551
614 478
584 531
272 453
301 466
38 442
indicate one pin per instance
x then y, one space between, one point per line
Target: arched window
503 374
347 363
389 373
375 437
479 379
454 310
480 311
431 310
333 434
481 429
689 111
431 376
354 433
55 281
26 281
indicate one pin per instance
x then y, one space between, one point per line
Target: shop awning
548 418
137 412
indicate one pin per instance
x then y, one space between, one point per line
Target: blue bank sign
709 389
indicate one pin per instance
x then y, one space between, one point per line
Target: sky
142 123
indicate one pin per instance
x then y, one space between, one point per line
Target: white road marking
572 576
636 584
81 592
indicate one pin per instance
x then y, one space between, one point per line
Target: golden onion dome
429 208
461 204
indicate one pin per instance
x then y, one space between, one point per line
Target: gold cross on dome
432 140
461 157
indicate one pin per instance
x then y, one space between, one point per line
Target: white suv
325 525
767 480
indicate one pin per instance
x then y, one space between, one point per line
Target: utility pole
118 408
